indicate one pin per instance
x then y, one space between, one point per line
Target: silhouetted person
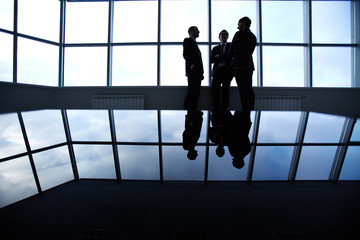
221 74
238 138
233 132
191 134
194 68
241 50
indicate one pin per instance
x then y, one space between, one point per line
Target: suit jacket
223 60
193 61
242 48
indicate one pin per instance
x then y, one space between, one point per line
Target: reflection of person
191 134
194 68
221 73
241 50
233 132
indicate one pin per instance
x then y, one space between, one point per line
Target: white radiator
280 103
118 101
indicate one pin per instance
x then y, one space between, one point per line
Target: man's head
223 36
244 23
193 32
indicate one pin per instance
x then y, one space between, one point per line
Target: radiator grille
118 101
280 103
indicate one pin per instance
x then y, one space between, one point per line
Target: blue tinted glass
272 162
89 125
173 126
278 127
351 167
139 162
11 137
355 136
315 162
39 124
323 128
17 181
221 169
95 161
53 167
177 166
131 127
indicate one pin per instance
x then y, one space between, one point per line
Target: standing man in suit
241 50
194 69
221 74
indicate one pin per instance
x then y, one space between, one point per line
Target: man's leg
215 92
244 81
193 94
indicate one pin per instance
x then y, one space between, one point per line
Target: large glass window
38 63
53 167
134 66
177 16
17 181
225 14
87 22
39 124
283 66
85 66
332 66
39 18
7 14
135 21
6 57
283 21
331 21
89 125
11 137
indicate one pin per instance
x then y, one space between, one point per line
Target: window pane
282 21
38 62
225 14
177 166
7 14
85 66
272 163
44 128
11 137
173 66
6 57
95 161
323 128
131 127
139 162
177 16
221 169
355 136
134 66
142 15
315 162
89 125
34 20
331 21
283 66
328 71
86 22
278 127
17 181
351 167
173 126
53 167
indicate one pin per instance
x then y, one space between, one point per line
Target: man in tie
194 69
241 50
221 73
